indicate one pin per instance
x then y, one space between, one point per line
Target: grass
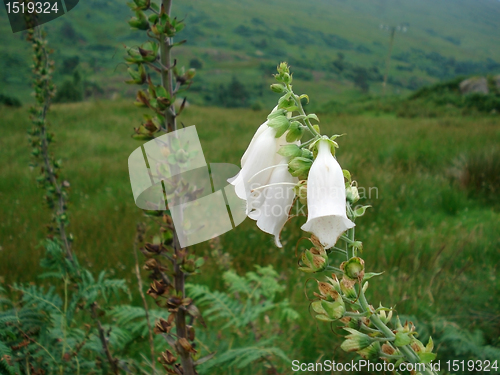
437 243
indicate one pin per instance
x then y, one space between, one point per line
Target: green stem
64 322
308 142
302 112
406 350
335 269
337 250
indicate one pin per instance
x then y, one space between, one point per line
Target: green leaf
347 175
427 357
369 275
304 96
176 146
295 132
153 18
171 159
313 116
360 211
278 112
335 136
205 359
292 108
278 122
161 92
290 151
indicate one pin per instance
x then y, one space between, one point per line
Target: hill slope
246 39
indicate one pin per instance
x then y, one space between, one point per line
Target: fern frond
134 318
242 357
221 306
5 368
36 297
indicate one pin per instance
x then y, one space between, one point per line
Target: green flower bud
287 78
354 268
328 291
371 352
335 282
190 74
153 18
299 167
189 266
313 261
276 87
334 310
181 156
318 308
347 288
139 22
402 339
352 194
356 341
142 4
328 311
283 68
385 318
306 153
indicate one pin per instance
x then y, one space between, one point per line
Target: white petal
259 131
260 155
275 202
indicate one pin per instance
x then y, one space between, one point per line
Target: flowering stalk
330 195
40 137
167 261
56 192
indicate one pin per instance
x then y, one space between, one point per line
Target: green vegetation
331 45
426 158
9 101
433 226
440 99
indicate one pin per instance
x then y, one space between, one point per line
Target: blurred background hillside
338 48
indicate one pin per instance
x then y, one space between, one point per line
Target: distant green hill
330 44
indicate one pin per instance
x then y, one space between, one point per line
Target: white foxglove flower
271 205
257 162
261 166
326 199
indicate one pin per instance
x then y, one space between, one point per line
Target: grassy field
436 239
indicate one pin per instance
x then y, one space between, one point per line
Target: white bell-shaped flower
265 183
257 162
271 205
326 199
